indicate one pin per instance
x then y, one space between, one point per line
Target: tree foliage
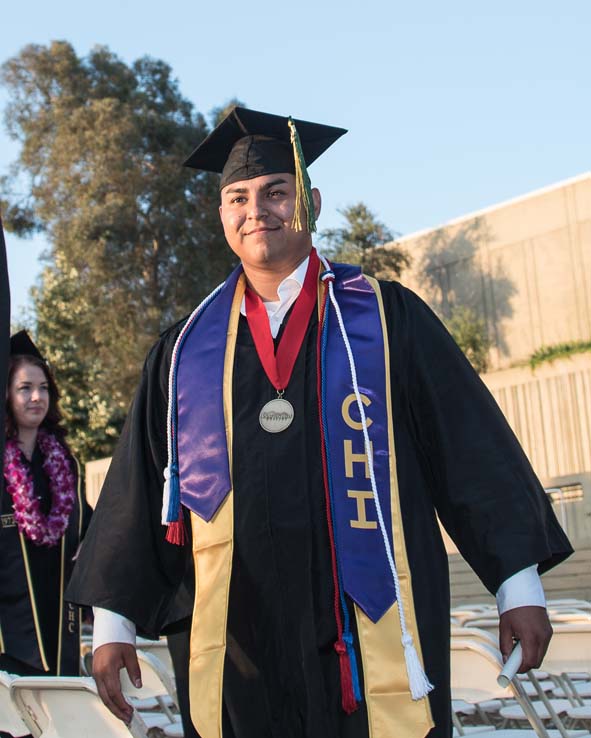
452 279
362 241
558 351
135 240
470 333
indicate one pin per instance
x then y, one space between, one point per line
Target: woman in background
43 516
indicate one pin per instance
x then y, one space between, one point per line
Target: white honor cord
166 490
418 682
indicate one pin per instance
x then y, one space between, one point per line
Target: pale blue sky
450 106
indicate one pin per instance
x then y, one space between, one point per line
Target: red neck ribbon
279 365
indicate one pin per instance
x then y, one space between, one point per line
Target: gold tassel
304 202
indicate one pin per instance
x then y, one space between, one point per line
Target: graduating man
307 423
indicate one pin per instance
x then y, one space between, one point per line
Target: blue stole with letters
199 447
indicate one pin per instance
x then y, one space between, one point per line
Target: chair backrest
490 624
86 663
10 718
570 616
159 649
475 667
156 680
569 649
474 634
462 614
58 707
569 602
474 670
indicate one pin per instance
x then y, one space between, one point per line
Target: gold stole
391 710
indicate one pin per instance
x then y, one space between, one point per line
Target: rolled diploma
510 669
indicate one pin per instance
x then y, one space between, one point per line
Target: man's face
256 215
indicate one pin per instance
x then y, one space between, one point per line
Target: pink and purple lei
42 530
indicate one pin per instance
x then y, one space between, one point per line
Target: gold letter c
355 424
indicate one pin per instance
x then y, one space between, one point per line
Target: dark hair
52 421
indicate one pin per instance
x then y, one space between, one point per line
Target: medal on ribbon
277 414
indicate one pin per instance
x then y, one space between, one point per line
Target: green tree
135 240
470 333
218 114
452 279
362 241
65 329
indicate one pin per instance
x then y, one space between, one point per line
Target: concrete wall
95 473
524 266
549 409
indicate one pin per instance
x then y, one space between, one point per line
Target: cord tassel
176 532
171 507
348 638
171 496
304 204
418 683
347 692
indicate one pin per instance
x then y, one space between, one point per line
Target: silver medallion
276 415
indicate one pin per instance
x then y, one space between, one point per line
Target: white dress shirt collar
288 291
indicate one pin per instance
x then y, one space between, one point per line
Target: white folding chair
159 649
86 657
474 634
157 684
490 624
474 670
484 710
68 707
577 691
10 718
569 657
570 616
569 604
462 613
570 650
579 717
516 714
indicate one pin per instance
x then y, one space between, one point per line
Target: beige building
523 265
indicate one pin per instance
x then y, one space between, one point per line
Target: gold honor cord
33 602
80 521
79 494
60 628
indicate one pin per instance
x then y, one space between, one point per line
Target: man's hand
530 626
107 660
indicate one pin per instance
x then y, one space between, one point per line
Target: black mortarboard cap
21 343
248 143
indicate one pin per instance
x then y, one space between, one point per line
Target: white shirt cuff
521 590
110 627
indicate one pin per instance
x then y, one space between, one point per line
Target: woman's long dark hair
52 421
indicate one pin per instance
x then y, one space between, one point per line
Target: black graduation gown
455 454
23 601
